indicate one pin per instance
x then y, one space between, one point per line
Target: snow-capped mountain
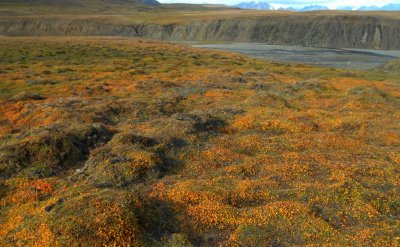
389 7
261 5
313 8
254 5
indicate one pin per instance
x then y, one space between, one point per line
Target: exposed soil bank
340 31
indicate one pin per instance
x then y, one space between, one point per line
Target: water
337 58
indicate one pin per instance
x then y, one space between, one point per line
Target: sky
296 3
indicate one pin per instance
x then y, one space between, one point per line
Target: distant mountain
289 9
261 5
313 8
306 8
345 8
391 7
254 5
369 8
267 6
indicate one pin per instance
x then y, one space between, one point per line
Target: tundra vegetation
128 142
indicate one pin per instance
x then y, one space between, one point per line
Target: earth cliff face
342 31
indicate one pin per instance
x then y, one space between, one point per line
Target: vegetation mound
390 67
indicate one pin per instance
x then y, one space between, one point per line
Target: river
337 58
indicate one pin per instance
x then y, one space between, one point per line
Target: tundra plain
130 142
